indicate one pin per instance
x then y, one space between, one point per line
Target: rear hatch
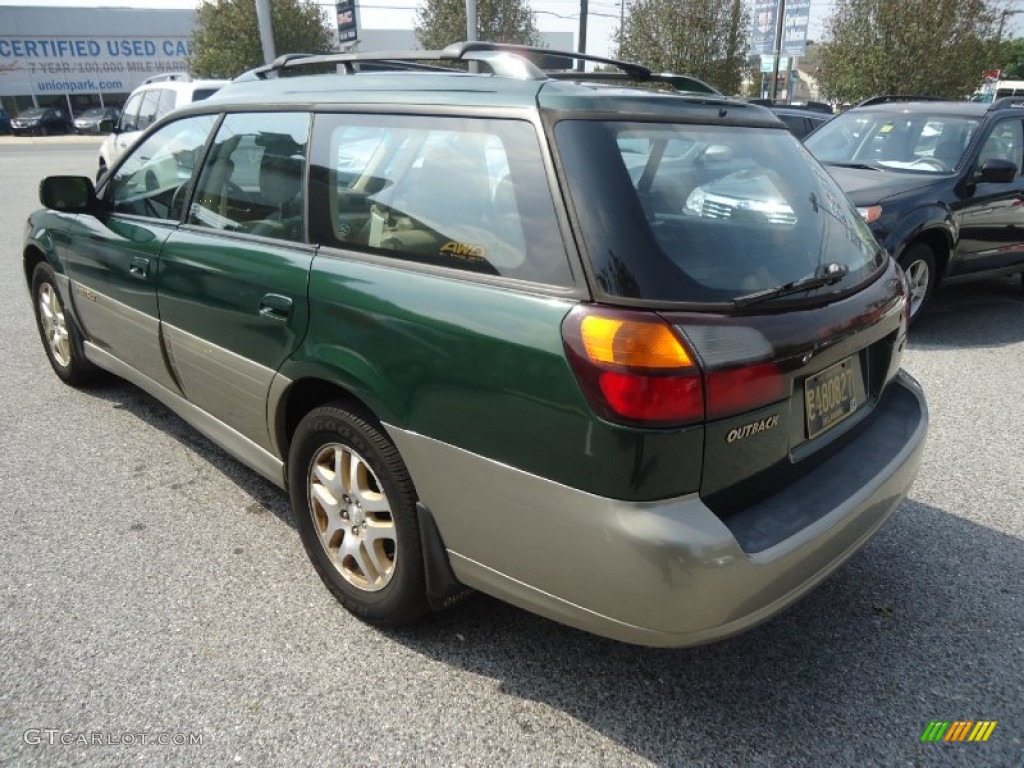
791 318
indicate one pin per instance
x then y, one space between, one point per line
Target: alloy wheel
918 276
352 517
55 327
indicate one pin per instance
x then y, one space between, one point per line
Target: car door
233 279
127 126
992 214
115 263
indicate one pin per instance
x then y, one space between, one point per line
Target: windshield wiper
829 275
860 166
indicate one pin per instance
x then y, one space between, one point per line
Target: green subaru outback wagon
625 358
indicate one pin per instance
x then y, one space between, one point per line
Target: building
74 58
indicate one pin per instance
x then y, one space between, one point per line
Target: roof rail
504 60
1007 102
181 77
897 97
682 83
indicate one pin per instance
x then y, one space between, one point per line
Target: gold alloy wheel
55 328
352 517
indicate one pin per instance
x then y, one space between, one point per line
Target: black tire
918 261
379 596
67 357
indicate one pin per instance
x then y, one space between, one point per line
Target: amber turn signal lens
871 213
632 343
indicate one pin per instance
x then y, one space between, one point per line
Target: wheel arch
941 244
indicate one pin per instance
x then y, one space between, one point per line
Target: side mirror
996 171
108 125
69 194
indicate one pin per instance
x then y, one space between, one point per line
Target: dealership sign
794 26
86 64
348 23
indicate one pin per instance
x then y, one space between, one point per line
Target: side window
253 179
153 180
130 113
147 111
470 194
166 102
1004 143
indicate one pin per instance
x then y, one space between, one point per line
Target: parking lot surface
155 592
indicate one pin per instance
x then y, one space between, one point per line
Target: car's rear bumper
671 572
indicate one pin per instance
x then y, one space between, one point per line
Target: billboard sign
794 27
348 23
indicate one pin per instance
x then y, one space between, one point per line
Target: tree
226 39
933 47
1010 59
441 22
703 38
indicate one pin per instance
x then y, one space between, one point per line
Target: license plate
832 395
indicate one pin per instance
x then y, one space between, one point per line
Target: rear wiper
829 275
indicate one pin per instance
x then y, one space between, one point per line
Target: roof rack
504 60
181 77
897 97
1007 102
683 83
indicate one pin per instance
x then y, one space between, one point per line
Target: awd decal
464 251
747 430
958 730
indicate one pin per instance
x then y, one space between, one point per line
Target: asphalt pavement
158 608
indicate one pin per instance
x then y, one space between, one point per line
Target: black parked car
39 121
801 118
5 122
938 182
97 120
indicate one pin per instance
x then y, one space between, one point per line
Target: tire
61 338
918 261
367 551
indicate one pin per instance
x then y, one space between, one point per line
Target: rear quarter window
469 194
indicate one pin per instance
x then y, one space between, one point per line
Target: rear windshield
701 214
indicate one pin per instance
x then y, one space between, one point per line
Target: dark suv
625 358
939 182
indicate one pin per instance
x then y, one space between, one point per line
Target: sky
551 15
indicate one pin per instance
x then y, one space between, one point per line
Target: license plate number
832 395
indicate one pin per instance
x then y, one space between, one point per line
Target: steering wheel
177 201
931 161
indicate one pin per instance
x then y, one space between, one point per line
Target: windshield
35 112
918 143
94 112
698 214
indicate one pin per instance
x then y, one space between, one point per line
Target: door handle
139 267
275 306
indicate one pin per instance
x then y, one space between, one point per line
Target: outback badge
753 428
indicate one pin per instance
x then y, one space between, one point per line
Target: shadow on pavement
915 628
984 313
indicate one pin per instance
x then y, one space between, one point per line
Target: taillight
633 367
743 389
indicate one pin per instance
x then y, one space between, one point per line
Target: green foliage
226 39
1010 57
441 22
933 47
703 38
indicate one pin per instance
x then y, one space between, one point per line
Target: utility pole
471 29
779 20
266 30
580 64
